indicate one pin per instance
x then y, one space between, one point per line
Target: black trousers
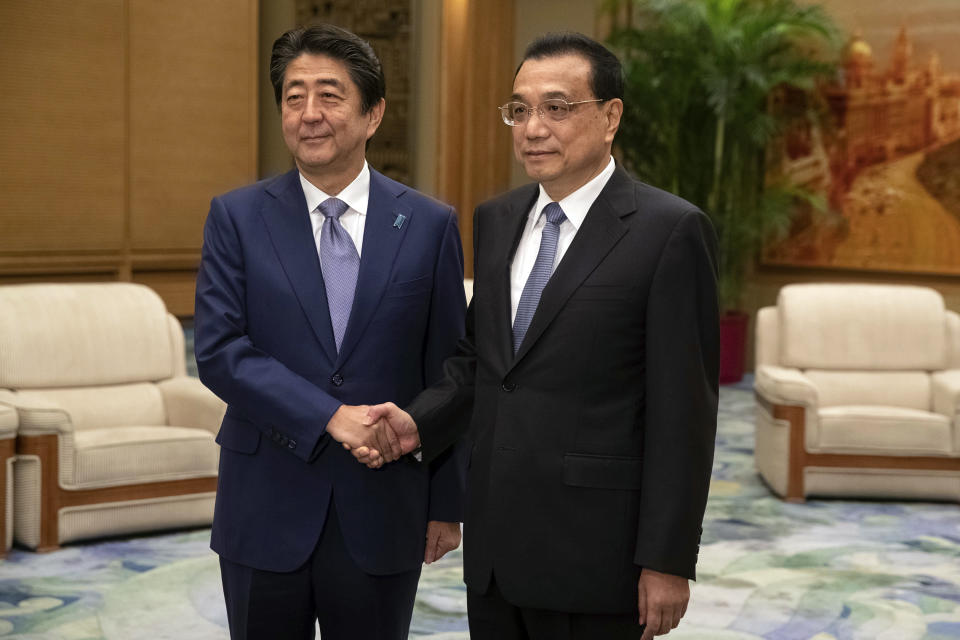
348 603
493 618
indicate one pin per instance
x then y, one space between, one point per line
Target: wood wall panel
193 114
62 149
474 144
120 119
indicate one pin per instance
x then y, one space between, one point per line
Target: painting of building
886 159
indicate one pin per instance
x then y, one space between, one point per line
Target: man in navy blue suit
320 292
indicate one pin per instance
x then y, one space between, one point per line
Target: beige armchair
113 437
858 391
8 434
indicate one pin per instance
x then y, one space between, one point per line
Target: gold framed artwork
887 156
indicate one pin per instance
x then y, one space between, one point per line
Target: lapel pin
399 221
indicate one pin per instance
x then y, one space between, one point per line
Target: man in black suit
588 376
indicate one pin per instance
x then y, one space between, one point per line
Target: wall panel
62 143
192 114
120 120
474 144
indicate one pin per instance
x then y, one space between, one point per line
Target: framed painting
887 157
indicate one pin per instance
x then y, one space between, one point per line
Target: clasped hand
374 434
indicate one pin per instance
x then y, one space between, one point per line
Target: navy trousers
348 603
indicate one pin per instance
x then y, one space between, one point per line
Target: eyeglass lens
518 112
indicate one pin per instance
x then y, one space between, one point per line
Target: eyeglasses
554 110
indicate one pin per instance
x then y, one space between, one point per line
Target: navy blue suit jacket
265 345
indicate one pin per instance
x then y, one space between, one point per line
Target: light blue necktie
340 263
540 275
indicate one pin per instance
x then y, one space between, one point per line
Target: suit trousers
348 603
493 618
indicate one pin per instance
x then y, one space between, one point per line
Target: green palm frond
700 76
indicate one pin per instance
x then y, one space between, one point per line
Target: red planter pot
733 346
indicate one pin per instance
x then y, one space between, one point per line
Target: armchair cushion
125 455
883 430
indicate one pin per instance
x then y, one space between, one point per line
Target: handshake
374 435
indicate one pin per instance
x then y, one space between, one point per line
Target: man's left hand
661 600
441 538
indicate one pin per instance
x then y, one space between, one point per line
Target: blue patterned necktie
542 270
340 263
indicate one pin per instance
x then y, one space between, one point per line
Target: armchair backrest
953 340
81 335
862 327
861 343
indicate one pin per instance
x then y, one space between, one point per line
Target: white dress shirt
575 206
356 195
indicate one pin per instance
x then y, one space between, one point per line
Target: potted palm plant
701 77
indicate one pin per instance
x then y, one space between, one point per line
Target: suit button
336 379
292 444
508 386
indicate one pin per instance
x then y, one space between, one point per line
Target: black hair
356 53
606 72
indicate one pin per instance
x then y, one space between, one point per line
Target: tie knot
333 208
554 213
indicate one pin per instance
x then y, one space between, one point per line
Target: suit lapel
513 219
288 225
381 242
599 233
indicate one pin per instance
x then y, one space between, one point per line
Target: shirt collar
577 204
356 194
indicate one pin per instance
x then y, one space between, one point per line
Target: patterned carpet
834 570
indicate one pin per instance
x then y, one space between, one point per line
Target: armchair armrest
946 400
946 392
7 397
8 421
37 416
785 385
190 404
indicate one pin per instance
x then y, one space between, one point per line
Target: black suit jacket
592 447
